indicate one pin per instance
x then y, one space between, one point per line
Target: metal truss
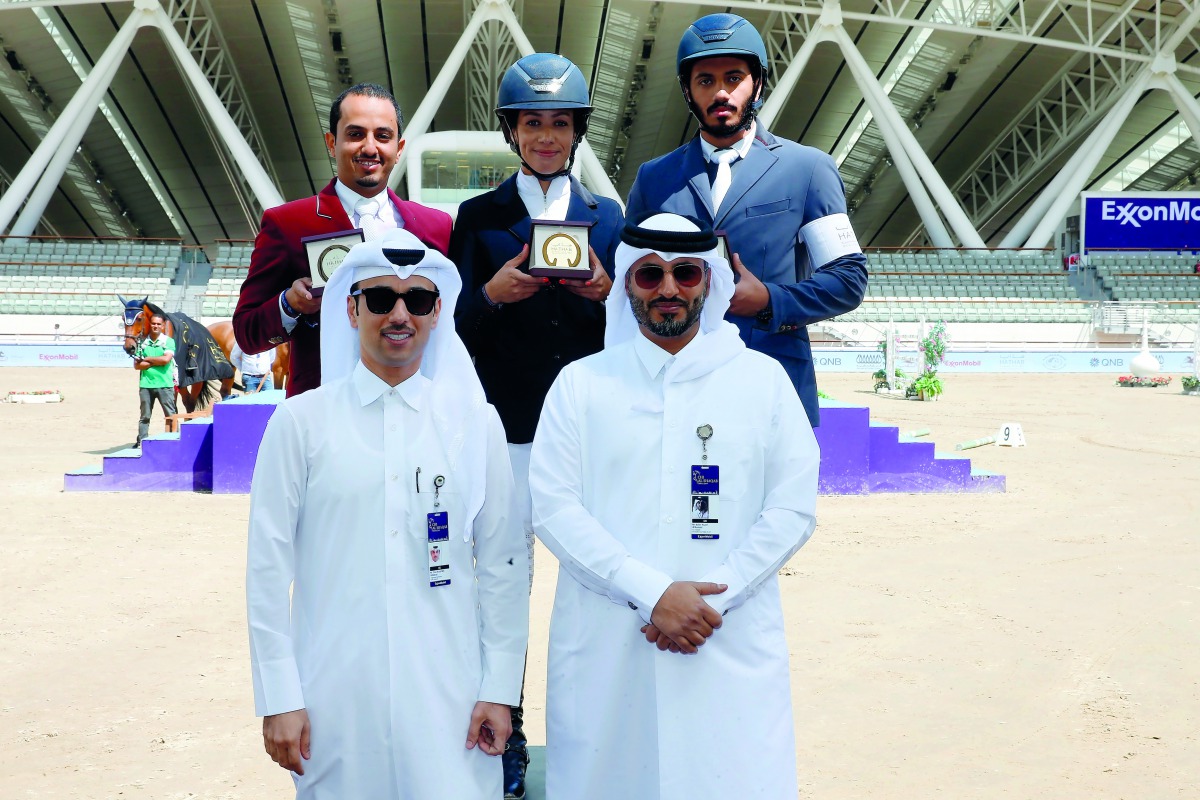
1114 42
1081 94
194 21
1119 31
619 77
493 52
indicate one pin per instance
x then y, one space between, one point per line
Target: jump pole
975 443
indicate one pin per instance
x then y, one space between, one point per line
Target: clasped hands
681 621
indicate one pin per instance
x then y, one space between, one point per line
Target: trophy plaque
724 252
723 246
326 253
559 250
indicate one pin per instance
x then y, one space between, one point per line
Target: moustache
718 106
664 300
397 329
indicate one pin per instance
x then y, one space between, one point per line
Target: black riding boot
516 756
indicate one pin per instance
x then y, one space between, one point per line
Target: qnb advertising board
1140 221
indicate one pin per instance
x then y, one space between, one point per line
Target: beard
723 130
667 328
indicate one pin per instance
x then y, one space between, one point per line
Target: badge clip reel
706 491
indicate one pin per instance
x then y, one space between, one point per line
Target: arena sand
1039 643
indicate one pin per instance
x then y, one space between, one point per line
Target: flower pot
21 397
922 395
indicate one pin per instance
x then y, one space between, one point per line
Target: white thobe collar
654 358
742 147
551 204
349 199
370 387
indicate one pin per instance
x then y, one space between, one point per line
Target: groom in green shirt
157 380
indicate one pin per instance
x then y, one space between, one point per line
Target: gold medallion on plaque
561 250
330 259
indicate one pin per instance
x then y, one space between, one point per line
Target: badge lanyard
706 491
437 526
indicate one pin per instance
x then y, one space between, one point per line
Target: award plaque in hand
559 250
326 253
723 251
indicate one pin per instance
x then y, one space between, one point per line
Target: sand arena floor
1040 643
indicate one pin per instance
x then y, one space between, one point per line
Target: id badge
705 500
438 525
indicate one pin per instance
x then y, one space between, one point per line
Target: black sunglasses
381 300
651 275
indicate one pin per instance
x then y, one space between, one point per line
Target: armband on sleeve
828 238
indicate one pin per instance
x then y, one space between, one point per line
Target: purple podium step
168 462
218 454
859 457
238 430
845 448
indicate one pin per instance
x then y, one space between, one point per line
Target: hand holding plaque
559 250
326 253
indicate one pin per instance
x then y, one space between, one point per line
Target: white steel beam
68 129
907 144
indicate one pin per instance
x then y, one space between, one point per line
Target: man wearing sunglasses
276 303
383 500
672 474
781 205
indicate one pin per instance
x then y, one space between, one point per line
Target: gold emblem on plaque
330 259
558 248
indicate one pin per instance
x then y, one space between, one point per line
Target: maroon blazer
279 259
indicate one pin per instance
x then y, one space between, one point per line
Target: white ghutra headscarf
672 236
459 406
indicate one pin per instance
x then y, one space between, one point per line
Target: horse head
137 322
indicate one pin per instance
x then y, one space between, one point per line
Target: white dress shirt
551 204
388 667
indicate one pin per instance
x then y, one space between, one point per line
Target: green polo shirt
157 377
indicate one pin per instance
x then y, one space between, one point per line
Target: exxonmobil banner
1140 221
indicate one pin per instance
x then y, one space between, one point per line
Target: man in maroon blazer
276 302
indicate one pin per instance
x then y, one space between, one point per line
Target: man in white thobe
668 667
384 501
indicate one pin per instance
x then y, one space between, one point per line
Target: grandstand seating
229 270
969 286
42 276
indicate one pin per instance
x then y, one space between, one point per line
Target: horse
222 331
194 390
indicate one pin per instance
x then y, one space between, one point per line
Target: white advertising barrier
828 359
63 355
853 359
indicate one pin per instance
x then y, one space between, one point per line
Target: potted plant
1191 384
880 377
926 387
1132 381
42 396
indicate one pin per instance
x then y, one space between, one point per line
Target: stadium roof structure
954 122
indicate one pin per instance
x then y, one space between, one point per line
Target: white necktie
368 218
722 158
